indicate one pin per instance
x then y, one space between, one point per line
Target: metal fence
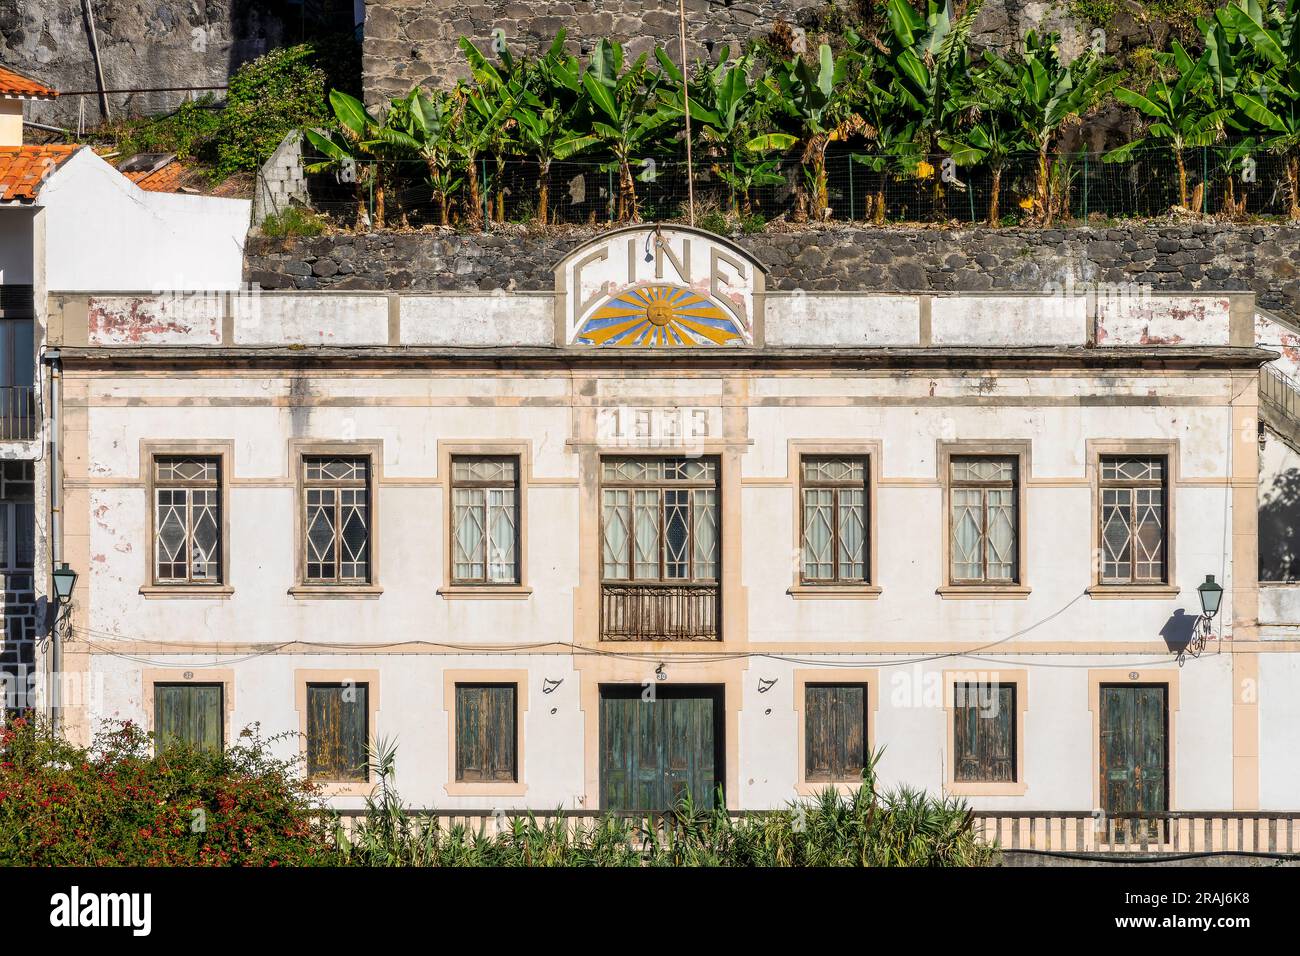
1220 182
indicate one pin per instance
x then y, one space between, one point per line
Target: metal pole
94 51
851 202
1085 186
686 102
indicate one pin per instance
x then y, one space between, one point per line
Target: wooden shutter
654 752
337 731
188 714
485 733
835 732
984 733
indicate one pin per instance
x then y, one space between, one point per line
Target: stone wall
1194 257
142 44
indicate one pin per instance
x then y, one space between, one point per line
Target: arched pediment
659 286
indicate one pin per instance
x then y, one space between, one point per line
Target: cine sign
658 287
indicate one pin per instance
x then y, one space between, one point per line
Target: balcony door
17 368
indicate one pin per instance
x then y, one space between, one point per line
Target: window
336 496
659 519
984 523
984 732
659 549
17 516
486 733
835 732
485 520
834 538
187 520
338 731
1133 522
188 714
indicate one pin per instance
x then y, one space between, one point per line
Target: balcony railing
17 413
659 612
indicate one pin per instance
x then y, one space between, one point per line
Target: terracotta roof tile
15 84
164 180
23 169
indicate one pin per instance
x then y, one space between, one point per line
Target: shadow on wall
1279 528
1179 630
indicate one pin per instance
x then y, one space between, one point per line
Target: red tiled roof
23 169
15 84
166 179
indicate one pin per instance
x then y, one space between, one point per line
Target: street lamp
65 579
1211 594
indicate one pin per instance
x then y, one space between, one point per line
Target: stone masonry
1199 257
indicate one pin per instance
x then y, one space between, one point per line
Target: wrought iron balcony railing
17 413
659 612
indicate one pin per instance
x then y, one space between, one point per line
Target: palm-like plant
627 116
1184 115
423 124
815 109
990 133
1270 93
355 149
1047 96
730 112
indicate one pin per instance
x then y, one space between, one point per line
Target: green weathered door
188 714
1134 748
655 751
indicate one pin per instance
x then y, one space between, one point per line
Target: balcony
659 612
17 413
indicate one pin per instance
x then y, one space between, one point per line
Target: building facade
666 530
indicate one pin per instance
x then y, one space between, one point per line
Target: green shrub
188 132
116 803
293 222
267 98
714 222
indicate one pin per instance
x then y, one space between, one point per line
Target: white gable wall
104 233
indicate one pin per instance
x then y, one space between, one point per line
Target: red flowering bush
117 803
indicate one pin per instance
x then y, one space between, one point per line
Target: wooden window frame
303 678
836 487
299 452
661 485
796 451
1100 448
802 678
224 453
1020 450
522 451
483 788
1019 679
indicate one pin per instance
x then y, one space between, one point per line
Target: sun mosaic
659 316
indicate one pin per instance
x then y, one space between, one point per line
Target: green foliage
268 97
714 222
1094 11
903 827
116 803
188 132
293 222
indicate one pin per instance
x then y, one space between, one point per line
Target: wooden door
1134 749
187 714
655 751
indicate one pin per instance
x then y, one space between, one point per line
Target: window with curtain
983 522
984 732
485 520
336 497
835 732
337 732
834 539
187 520
486 733
659 520
1133 522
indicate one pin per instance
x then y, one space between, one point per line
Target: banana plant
423 125
627 116
355 151
1270 96
550 114
729 112
816 109
990 132
1184 115
497 87
1047 96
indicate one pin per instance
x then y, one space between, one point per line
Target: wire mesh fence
859 187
